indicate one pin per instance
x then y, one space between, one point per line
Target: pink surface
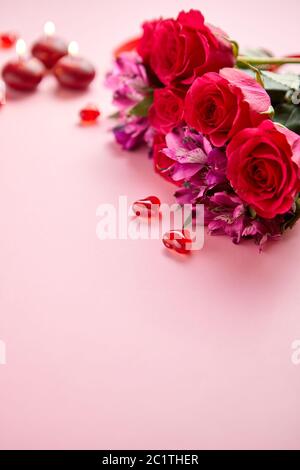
118 344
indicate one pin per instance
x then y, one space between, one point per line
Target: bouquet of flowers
222 127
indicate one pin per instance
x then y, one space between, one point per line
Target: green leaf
290 81
258 53
293 218
252 212
142 108
188 221
115 115
235 48
270 112
276 86
290 224
289 116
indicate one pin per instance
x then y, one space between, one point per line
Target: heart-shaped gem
89 114
146 207
178 240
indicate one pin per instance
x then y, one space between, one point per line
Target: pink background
118 344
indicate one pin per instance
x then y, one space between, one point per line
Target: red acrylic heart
146 207
178 240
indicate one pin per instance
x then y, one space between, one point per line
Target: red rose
262 170
144 47
180 50
167 110
220 105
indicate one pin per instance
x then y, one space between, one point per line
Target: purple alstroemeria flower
263 230
190 152
191 192
227 215
128 80
217 164
131 134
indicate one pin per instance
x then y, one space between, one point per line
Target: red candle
74 72
24 73
49 48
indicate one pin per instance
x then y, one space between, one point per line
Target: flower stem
268 60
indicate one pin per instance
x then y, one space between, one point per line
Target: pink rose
220 105
262 169
167 110
180 50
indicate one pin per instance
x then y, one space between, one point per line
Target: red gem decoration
7 40
178 240
89 114
146 207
